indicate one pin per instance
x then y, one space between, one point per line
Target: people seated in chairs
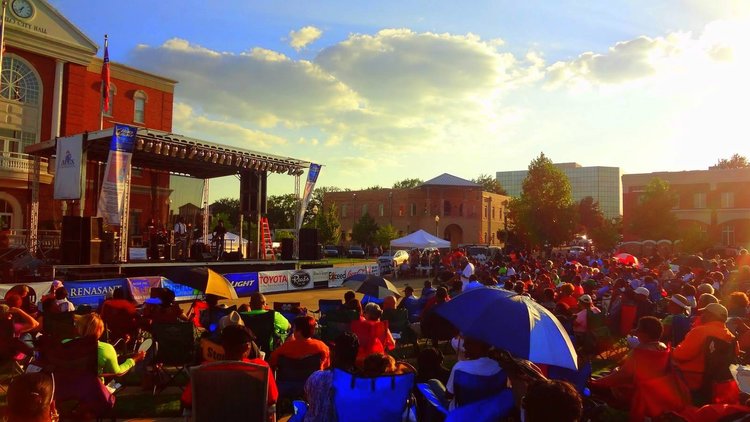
373 334
378 364
238 345
91 325
348 296
120 316
280 323
301 344
13 323
318 394
478 364
63 304
166 312
430 365
31 398
677 323
551 400
411 304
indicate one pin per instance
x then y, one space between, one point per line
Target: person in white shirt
180 237
62 302
467 272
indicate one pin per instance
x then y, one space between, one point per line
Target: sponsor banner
39 289
140 287
111 198
181 293
92 292
385 267
244 284
300 279
273 281
336 276
68 168
373 269
320 275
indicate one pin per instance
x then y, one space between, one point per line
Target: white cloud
303 37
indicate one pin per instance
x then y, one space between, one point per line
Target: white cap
642 291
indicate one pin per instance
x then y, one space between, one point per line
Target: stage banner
312 177
300 280
336 276
273 281
111 198
320 275
140 287
68 168
244 284
182 293
92 292
39 288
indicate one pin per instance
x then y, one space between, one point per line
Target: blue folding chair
469 388
578 378
379 399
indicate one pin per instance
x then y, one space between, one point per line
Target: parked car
331 251
355 252
396 257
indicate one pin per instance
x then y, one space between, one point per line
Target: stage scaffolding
177 154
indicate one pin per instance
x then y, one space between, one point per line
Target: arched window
20 96
139 106
19 81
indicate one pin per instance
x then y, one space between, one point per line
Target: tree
229 207
544 213
223 217
652 216
282 211
328 225
590 216
607 235
385 234
490 184
364 230
408 184
693 240
737 161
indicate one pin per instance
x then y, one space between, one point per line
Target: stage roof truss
182 155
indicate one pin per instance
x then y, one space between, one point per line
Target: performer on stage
180 238
218 238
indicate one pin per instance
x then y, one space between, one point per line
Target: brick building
454 208
715 201
51 87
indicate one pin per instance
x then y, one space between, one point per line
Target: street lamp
437 221
354 211
390 205
315 215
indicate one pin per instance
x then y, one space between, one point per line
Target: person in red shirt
373 334
238 344
566 296
302 344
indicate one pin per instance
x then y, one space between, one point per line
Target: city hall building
51 87
447 206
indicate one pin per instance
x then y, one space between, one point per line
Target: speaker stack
253 192
308 245
287 249
81 240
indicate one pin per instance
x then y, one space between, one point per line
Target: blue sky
382 91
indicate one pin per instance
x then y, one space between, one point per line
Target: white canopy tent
231 241
420 239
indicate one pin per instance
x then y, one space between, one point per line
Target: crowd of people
675 331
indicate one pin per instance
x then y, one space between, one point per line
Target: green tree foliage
607 235
490 184
408 184
590 216
328 225
223 217
693 240
282 211
737 161
364 230
544 213
229 207
385 234
652 216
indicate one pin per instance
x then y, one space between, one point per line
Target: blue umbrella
512 322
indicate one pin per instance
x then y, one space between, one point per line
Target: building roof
446 179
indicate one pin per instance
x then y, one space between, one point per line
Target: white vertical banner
112 196
312 177
68 167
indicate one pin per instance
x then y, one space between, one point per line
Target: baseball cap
717 309
232 319
642 291
585 299
680 301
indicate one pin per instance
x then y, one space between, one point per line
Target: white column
57 97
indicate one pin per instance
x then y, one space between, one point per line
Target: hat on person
4 309
705 288
717 309
585 299
56 284
642 291
232 319
680 301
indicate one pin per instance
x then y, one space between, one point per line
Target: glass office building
601 183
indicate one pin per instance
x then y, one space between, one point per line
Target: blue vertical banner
312 177
111 198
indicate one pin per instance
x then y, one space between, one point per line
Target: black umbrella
372 285
204 279
692 261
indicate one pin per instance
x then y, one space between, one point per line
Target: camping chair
59 325
718 384
680 328
209 318
174 347
473 394
365 399
222 391
291 374
289 310
398 323
336 323
325 306
262 325
469 388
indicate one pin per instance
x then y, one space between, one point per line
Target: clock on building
22 8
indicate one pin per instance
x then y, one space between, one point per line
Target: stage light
237 161
139 144
165 150
148 147
291 171
223 159
157 148
175 150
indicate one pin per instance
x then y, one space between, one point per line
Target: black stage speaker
170 251
71 252
251 183
308 244
263 206
91 228
71 228
107 253
287 249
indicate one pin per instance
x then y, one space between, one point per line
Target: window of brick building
699 200
139 101
727 235
381 210
727 199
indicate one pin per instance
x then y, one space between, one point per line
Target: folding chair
336 323
59 325
398 323
327 305
291 374
243 391
174 347
290 310
365 399
262 325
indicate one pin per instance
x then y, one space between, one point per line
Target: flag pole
103 96
2 39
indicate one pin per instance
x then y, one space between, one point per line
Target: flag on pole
105 76
312 177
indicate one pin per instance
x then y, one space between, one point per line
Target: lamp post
390 205
354 212
315 215
437 221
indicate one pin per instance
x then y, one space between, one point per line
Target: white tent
420 239
231 241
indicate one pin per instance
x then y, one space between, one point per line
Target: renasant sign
273 281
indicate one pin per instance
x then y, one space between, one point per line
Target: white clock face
22 8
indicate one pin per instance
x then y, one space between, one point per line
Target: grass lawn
348 261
